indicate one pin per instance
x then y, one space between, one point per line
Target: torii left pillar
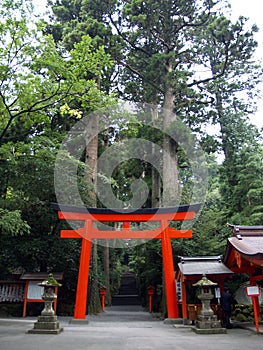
83 277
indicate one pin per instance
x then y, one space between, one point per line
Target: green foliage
38 77
242 191
87 60
11 223
73 21
226 49
243 313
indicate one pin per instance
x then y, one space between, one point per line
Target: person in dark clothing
226 305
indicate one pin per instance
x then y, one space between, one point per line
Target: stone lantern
103 291
207 322
47 323
150 291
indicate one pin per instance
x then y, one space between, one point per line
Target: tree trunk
91 158
95 304
91 178
156 189
170 156
156 180
106 263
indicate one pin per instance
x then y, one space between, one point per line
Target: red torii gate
89 231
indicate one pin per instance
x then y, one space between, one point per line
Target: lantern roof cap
50 282
204 282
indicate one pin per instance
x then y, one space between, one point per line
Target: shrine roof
199 265
248 245
247 240
246 231
75 209
39 276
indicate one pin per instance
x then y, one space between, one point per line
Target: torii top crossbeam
126 216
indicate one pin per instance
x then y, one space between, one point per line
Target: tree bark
91 178
156 180
106 263
91 158
170 156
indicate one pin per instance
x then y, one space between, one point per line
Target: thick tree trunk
91 178
91 158
170 156
156 189
95 304
156 180
106 263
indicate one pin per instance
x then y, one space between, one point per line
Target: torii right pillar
168 266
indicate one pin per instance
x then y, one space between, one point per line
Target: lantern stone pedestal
207 322
47 323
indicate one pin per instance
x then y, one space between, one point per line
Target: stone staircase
128 293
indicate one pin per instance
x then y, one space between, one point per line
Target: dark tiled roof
247 240
248 245
39 276
179 209
246 230
209 265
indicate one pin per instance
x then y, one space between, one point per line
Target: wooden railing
12 291
195 309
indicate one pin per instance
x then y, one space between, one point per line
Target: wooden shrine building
128 220
33 292
191 269
244 253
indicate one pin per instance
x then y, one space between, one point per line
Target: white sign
217 293
34 290
253 290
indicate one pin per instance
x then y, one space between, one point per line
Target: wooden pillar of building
184 302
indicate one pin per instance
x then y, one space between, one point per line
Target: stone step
126 300
128 292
